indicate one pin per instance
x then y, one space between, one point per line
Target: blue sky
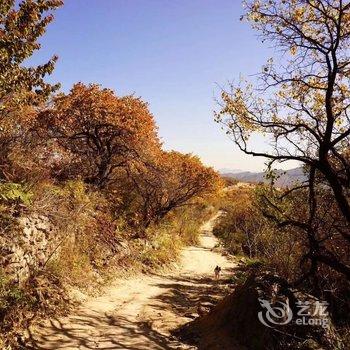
172 53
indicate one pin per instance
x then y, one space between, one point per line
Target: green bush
11 192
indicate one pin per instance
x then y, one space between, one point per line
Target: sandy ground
140 312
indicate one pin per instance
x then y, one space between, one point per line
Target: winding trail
139 313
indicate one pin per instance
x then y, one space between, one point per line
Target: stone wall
27 248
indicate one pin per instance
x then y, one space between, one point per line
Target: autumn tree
98 132
241 223
301 105
175 180
21 86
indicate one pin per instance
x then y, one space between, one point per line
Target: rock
22 253
235 323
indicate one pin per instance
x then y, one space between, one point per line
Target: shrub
243 229
42 295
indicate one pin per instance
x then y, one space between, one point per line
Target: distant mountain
229 171
286 177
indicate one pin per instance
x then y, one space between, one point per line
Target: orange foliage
174 181
100 131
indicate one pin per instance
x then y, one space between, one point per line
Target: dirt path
138 313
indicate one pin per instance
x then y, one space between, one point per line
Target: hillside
286 177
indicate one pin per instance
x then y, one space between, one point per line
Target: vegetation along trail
140 312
